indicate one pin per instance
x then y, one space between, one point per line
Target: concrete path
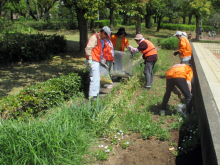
211 67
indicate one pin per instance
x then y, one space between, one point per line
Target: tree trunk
158 23
138 27
197 28
111 17
92 25
0 8
184 20
46 14
12 19
2 3
30 11
155 19
125 18
38 17
190 18
82 28
147 21
170 19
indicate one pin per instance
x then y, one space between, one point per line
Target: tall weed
60 137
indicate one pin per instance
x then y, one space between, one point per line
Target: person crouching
178 76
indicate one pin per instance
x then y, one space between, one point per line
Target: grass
62 136
65 134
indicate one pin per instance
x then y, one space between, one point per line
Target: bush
51 25
170 43
155 41
30 48
39 97
182 27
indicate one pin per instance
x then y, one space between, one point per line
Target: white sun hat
184 33
178 33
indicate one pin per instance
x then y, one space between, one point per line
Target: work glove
175 53
90 62
103 60
129 48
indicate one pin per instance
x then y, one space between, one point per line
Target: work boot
144 88
162 112
94 98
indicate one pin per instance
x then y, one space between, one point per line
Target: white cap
184 34
107 30
178 33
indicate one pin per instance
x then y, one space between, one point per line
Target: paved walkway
211 66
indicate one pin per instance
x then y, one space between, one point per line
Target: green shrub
15 47
51 25
39 97
170 43
155 41
18 28
183 27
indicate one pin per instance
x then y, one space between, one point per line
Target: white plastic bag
122 64
181 108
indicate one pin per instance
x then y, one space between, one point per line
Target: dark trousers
182 85
148 72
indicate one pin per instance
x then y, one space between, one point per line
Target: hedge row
182 27
37 98
56 25
16 47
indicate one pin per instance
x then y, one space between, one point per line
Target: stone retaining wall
207 111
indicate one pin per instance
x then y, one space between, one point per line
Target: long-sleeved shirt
143 46
92 42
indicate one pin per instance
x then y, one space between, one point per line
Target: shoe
144 88
110 86
180 108
162 112
94 98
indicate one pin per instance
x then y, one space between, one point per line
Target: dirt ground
151 151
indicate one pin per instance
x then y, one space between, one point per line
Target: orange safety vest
151 50
96 51
124 42
107 52
180 71
184 47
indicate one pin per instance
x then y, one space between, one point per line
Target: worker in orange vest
120 42
93 55
179 75
149 54
107 53
107 56
184 48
